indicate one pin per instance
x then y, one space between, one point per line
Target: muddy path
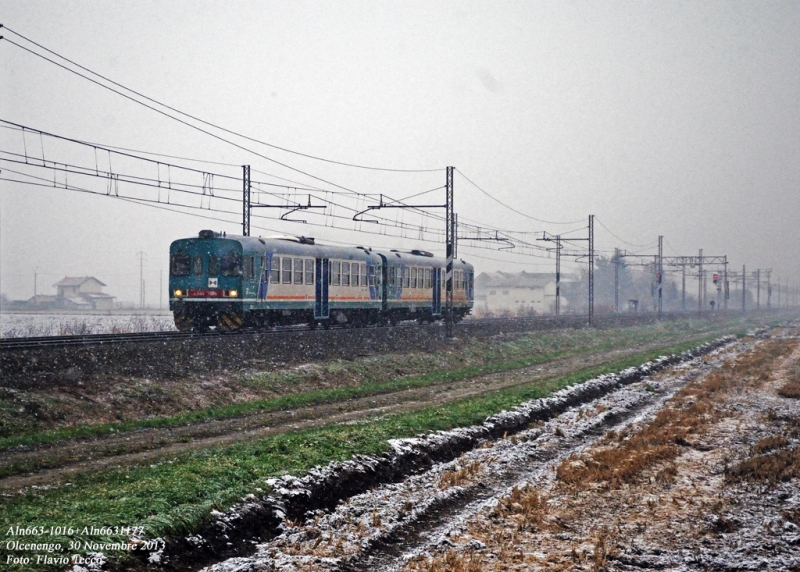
507 504
48 463
721 492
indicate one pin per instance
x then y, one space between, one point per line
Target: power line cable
197 118
512 208
618 238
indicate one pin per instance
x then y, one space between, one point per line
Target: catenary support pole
726 287
616 280
683 286
700 282
450 246
591 270
246 200
558 275
744 289
659 271
758 289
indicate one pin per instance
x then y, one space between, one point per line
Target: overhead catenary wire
621 239
524 247
194 118
498 201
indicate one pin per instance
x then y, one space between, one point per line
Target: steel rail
568 320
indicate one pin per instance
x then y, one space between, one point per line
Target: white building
82 293
518 293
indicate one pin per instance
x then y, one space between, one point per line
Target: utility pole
246 200
161 289
591 270
142 256
616 280
450 246
659 270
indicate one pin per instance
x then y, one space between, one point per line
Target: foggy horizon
679 119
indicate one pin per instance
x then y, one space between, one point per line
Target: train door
436 284
321 308
263 281
385 283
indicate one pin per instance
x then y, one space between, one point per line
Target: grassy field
44 416
175 495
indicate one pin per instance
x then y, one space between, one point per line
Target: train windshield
231 265
179 264
213 265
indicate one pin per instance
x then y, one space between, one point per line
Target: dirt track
516 504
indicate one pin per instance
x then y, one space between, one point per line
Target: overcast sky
679 119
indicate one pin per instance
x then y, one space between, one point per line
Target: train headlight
233 293
178 293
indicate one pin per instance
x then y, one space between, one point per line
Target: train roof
303 246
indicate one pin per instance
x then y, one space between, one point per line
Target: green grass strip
318 397
175 496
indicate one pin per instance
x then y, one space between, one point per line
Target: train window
405 277
309 262
371 272
336 274
286 270
275 270
364 274
427 278
298 271
179 264
197 265
355 273
249 267
345 274
413 278
213 265
231 265
390 276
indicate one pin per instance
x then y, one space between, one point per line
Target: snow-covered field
30 325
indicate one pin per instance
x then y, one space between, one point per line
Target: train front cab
205 283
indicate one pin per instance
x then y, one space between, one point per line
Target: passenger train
230 282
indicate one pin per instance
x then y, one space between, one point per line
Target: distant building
81 293
521 293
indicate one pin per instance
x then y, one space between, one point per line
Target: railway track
535 322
